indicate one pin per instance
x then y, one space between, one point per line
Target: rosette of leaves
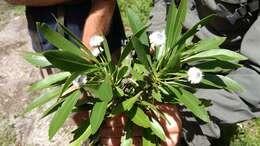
131 86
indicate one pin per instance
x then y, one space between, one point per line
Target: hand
98 20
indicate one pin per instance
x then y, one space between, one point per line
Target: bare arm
98 20
36 2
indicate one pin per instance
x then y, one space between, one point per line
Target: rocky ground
15 77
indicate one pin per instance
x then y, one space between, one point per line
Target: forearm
36 2
99 19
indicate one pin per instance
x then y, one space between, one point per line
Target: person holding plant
85 18
88 19
239 22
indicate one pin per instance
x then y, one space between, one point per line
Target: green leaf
84 136
206 44
194 105
138 72
217 66
195 29
142 52
53 108
157 95
36 59
122 72
126 50
104 91
173 63
58 40
62 113
148 139
136 25
48 81
231 85
138 116
220 54
157 129
107 51
97 115
127 140
126 105
174 23
68 82
44 98
67 61
220 81
170 25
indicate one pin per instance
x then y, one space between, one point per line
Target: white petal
195 75
96 41
96 51
157 38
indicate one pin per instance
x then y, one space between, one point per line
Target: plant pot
112 128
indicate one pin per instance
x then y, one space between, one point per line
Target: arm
98 21
36 2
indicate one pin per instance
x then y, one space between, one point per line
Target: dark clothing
73 16
242 36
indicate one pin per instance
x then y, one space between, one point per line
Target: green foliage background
141 7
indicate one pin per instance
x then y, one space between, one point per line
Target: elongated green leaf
44 98
157 95
68 82
127 139
48 81
175 23
125 52
157 129
67 61
59 41
148 139
170 26
136 25
107 51
84 136
138 116
194 105
104 91
36 59
217 66
142 52
126 105
220 81
122 72
97 115
173 63
195 29
221 54
62 113
53 108
231 85
206 44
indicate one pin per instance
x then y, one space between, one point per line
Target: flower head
157 38
79 81
195 75
96 51
95 41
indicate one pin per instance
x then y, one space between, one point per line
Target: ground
16 75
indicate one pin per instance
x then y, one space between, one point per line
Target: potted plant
138 94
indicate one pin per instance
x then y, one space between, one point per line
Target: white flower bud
157 38
195 75
79 81
96 51
96 41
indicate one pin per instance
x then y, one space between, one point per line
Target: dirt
15 77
